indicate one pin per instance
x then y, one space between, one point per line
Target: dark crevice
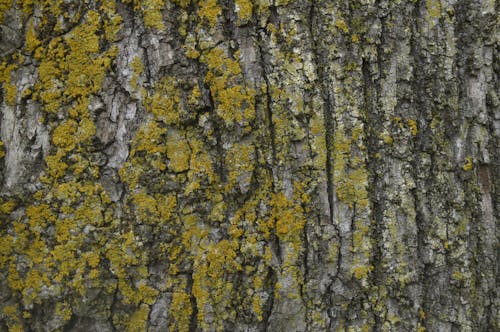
370 100
273 271
268 106
272 135
329 124
328 110
193 320
421 184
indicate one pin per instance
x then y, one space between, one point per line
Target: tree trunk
215 165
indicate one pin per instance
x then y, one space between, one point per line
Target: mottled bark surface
215 165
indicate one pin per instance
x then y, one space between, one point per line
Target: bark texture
216 165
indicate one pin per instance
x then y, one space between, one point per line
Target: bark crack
329 125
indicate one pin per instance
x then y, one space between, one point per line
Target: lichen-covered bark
215 165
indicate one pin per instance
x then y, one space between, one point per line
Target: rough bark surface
216 165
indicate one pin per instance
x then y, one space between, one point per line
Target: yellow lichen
413 126
421 314
181 311
433 8
10 93
164 103
243 9
351 183
361 272
340 24
468 165
138 68
457 275
289 219
149 139
32 41
209 10
63 311
178 152
138 320
152 13
192 53
234 103
4 6
10 90
2 149
239 161
257 306
209 285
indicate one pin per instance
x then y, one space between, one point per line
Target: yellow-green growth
468 165
63 311
112 22
138 320
239 161
181 311
149 139
243 9
183 3
341 25
32 41
4 6
210 287
433 8
10 93
257 306
164 103
12 316
350 174
10 90
361 272
413 127
151 10
209 10
178 152
289 218
71 70
138 69
235 103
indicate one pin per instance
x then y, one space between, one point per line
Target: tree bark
215 165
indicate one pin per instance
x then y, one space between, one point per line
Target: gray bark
214 165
